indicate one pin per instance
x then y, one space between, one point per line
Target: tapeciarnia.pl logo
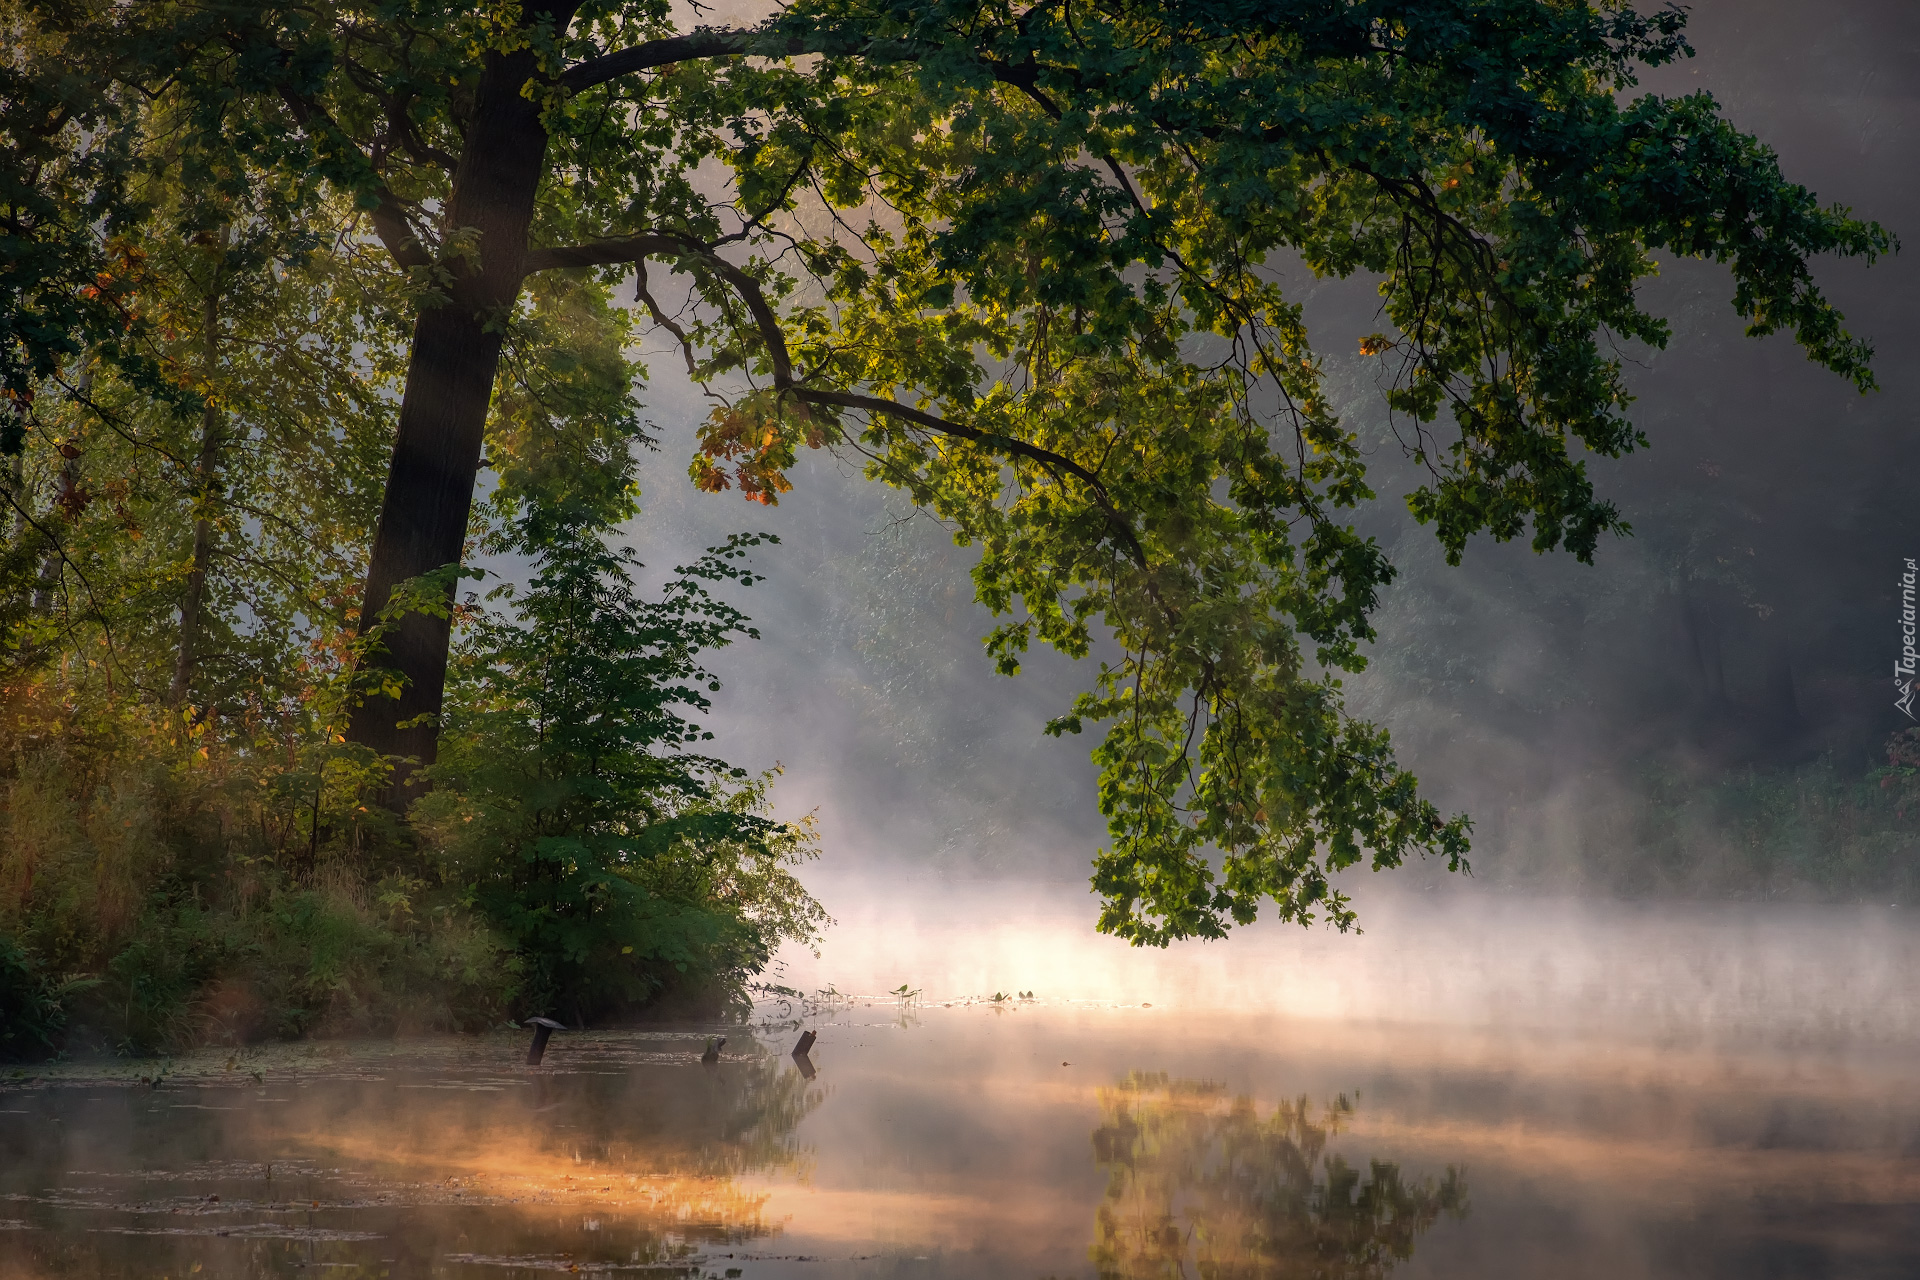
1904 668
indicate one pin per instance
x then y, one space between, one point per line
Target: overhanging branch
710 42
668 244
1019 448
680 248
705 42
604 253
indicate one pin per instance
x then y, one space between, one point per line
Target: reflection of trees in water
736 1118
1199 1183
606 1164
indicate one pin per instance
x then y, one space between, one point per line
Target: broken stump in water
712 1053
800 1052
542 1028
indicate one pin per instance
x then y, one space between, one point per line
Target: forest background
190 854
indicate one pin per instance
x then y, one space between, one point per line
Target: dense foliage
595 847
1064 330
287 280
187 844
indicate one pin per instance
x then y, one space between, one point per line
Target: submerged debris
542 1028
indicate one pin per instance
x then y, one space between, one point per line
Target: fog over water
1696 975
1657 1096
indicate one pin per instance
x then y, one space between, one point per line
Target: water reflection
625 1159
1199 1182
955 1146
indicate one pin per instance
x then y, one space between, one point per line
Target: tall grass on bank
159 890
173 878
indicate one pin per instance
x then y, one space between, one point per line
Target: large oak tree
1027 261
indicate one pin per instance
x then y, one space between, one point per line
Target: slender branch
704 42
68 562
389 216
401 130
643 294
668 244
1019 448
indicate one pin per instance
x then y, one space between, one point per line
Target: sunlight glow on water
1535 1130
1465 958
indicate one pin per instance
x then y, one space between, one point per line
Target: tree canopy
1027 262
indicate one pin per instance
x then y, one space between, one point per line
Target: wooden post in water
542 1028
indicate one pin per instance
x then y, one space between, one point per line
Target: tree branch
704 42
1019 448
666 244
708 42
389 216
1024 76
615 249
644 295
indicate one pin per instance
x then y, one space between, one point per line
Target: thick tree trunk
205 472
68 498
443 414
1702 630
193 604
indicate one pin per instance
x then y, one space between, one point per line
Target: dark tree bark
443 414
1702 629
1780 700
205 477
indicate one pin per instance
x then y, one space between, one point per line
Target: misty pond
1703 1095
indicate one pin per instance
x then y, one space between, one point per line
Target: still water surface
978 1141
1474 1088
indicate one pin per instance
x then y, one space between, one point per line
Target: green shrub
31 1012
618 865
